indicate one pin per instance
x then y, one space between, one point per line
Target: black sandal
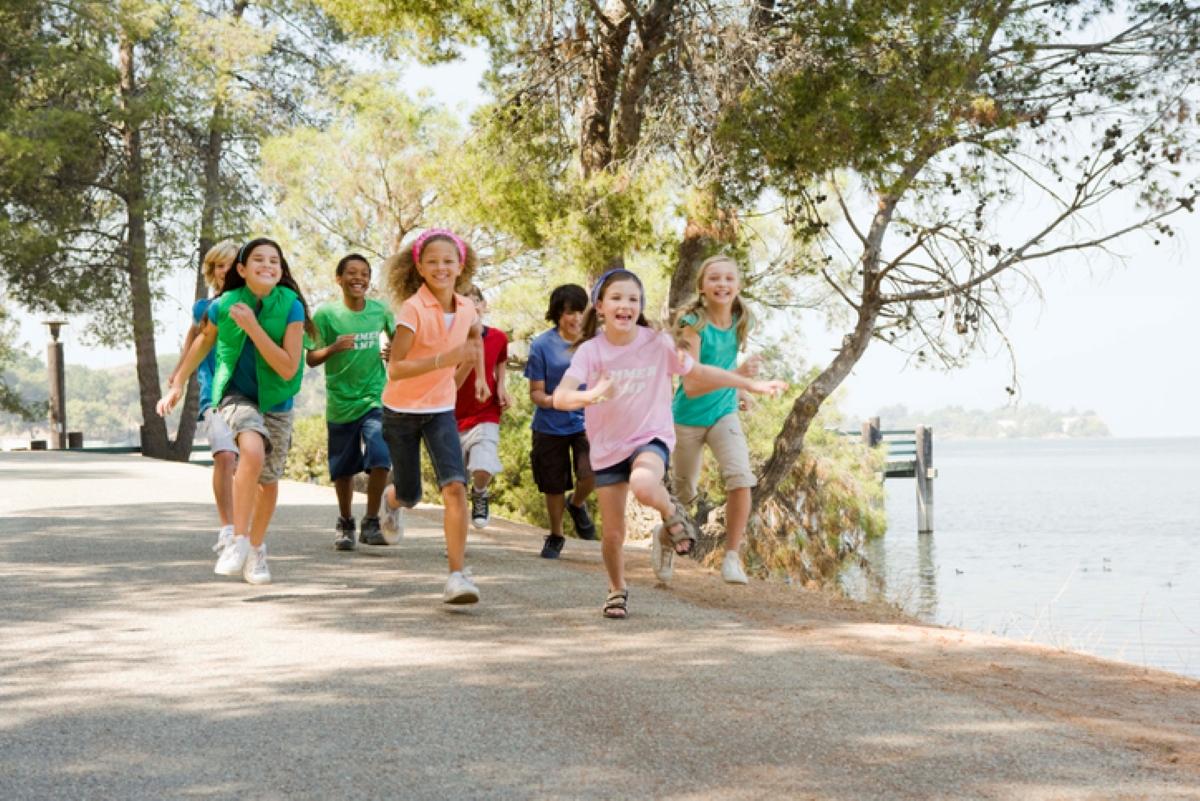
615 605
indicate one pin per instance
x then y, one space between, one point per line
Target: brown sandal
686 531
616 605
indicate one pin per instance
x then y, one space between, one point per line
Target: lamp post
58 391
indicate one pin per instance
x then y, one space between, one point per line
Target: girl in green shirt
713 328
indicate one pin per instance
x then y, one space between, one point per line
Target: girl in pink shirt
436 344
627 414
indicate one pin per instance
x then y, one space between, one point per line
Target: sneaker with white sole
233 557
480 515
391 520
255 571
662 554
732 570
224 537
460 589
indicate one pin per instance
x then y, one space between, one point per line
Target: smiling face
355 280
620 306
719 283
440 266
219 271
570 323
262 270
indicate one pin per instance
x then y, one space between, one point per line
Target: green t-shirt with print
354 379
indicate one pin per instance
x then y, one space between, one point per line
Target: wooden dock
909 455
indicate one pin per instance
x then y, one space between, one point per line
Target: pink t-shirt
638 408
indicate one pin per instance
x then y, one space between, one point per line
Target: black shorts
552 458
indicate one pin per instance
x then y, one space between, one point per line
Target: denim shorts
403 432
357 446
619 472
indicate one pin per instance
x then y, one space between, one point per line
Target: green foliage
431 29
308 459
362 181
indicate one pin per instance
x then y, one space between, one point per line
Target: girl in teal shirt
713 328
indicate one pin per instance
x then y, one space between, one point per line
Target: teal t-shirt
719 348
354 379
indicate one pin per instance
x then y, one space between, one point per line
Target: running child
627 367
479 422
560 443
437 341
217 262
348 345
257 325
713 328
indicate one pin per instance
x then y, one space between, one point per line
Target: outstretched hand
773 388
167 402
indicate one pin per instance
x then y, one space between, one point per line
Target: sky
1115 338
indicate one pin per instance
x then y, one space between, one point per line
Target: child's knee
454 491
644 487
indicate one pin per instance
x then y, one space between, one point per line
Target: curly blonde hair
403 279
225 250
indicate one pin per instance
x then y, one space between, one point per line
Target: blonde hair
225 250
743 318
403 278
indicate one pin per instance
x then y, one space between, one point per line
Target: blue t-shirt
204 373
244 381
549 358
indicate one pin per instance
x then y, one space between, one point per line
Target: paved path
128 670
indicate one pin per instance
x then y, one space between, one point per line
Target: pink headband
444 232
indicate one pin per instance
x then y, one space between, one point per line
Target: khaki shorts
728 444
481 448
241 415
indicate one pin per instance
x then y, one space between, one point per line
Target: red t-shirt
469 411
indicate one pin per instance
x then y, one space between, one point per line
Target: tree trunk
601 87
181 448
790 441
154 428
652 30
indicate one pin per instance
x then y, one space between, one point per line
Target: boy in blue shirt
559 441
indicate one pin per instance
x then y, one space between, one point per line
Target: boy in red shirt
479 422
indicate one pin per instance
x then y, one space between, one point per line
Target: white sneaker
391 520
231 560
460 589
255 571
224 537
662 554
731 569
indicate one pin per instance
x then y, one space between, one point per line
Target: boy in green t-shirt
348 345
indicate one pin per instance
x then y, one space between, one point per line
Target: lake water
1090 545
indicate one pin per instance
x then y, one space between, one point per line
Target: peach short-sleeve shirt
423 315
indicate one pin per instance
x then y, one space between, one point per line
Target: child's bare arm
201 345
568 396
704 378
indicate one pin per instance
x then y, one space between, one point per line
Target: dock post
924 476
870 433
58 392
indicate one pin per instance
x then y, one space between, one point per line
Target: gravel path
128 670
